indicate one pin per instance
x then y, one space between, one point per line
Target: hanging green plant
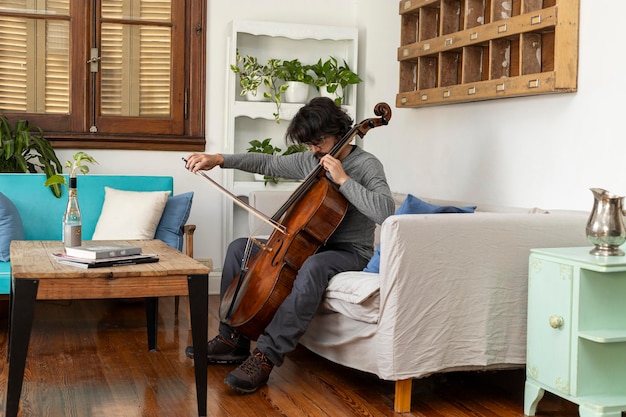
277 89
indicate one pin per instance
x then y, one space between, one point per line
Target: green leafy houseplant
23 148
252 75
330 75
266 147
294 71
75 165
297 78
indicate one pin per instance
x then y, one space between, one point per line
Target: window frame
73 130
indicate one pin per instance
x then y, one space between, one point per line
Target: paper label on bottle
72 235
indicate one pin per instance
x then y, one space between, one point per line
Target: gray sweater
369 198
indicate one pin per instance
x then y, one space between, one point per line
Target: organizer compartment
466 50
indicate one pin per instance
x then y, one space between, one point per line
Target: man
361 179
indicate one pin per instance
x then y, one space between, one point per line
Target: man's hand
202 161
334 168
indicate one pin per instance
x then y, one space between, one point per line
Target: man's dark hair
320 118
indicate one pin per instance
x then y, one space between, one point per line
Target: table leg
11 304
152 321
199 308
22 313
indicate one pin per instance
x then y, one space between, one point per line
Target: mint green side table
576 346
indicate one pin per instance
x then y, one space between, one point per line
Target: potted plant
332 78
23 148
251 75
298 78
259 82
266 147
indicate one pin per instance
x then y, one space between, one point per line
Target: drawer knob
556 322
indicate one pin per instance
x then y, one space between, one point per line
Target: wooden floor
90 358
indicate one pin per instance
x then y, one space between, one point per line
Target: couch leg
402 398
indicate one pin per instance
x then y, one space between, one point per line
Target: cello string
253 240
244 268
246 254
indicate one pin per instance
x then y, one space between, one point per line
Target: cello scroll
381 109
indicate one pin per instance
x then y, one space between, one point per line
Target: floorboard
90 359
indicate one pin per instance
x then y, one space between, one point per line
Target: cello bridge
261 245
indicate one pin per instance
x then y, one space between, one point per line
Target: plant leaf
55 179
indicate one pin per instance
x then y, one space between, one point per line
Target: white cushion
367 312
130 214
352 286
354 294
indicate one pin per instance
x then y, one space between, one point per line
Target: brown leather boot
223 350
251 375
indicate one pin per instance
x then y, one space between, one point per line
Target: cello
307 220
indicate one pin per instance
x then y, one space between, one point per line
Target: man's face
322 146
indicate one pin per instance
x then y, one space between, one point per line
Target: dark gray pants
294 314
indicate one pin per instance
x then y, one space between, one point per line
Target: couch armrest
188 231
453 287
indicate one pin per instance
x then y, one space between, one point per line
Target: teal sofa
41 212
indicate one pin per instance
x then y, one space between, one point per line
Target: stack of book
103 255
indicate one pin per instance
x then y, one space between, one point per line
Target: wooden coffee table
35 275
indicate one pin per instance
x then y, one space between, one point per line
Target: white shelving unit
247 120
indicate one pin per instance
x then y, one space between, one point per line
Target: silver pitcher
605 227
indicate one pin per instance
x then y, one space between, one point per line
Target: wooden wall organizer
468 50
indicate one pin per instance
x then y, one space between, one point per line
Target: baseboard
214 276
214 282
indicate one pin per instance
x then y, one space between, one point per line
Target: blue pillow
174 217
11 227
413 205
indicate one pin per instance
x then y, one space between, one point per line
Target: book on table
65 259
102 251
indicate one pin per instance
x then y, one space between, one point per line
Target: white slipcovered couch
451 293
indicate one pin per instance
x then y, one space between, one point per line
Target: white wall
544 151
